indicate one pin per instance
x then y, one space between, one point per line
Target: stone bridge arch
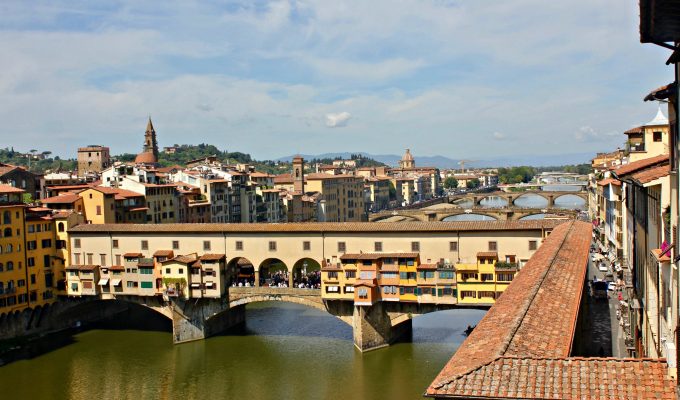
414 217
475 212
239 297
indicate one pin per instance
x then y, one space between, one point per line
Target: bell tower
298 174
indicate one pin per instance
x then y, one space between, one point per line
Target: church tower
149 154
407 160
298 174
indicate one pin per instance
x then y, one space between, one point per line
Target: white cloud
499 136
338 120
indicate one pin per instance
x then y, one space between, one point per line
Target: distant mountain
445 162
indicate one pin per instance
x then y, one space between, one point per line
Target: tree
472 183
450 183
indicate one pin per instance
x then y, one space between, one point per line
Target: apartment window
31 245
533 244
239 245
486 277
272 245
175 244
206 245
468 293
99 210
453 246
332 274
145 245
342 247
350 274
415 246
493 246
89 258
115 243
504 277
656 136
306 245
167 270
76 259
377 246
30 262
102 259
46 243
118 259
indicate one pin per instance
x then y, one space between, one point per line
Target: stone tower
298 174
149 154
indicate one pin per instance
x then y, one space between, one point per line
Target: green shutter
147 285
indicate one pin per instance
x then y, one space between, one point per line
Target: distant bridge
507 187
510 197
440 214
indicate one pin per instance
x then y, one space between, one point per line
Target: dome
407 156
145 158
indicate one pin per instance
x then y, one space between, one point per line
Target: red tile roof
637 129
640 164
651 174
212 257
132 255
608 181
521 348
164 253
468 226
10 189
66 198
376 256
487 254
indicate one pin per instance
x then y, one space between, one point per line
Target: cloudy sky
463 79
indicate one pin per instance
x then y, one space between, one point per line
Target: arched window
6 217
8 232
10 267
61 227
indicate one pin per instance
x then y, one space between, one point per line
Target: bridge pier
372 327
196 320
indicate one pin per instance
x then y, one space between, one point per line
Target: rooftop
319 227
511 354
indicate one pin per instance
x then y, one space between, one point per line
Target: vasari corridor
302 199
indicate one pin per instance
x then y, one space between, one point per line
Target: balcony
8 291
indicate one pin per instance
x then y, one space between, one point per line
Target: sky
462 79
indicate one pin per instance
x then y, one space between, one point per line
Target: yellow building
99 205
408 268
483 282
13 287
41 263
649 140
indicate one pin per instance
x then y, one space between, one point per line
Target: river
284 351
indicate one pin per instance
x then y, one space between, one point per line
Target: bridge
440 214
509 186
511 197
195 319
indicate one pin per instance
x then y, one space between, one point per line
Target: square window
342 247
377 246
115 243
145 245
272 246
493 246
306 245
175 244
533 244
206 245
239 245
415 246
656 136
76 243
453 246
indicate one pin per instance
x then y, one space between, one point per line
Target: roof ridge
518 322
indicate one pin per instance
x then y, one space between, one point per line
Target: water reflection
493 202
571 202
531 200
534 216
285 351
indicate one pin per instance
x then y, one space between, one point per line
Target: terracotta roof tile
487 254
212 257
376 256
640 164
164 253
322 227
608 181
132 255
511 354
10 189
66 198
651 174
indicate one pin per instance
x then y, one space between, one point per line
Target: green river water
284 351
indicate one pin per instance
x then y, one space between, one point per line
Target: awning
103 281
195 285
115 282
